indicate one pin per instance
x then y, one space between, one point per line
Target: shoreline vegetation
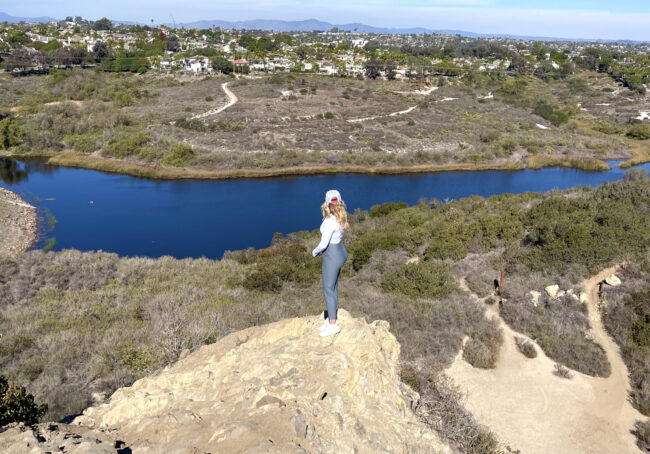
73 159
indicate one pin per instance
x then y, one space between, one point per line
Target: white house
198 64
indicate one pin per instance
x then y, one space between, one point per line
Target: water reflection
11 172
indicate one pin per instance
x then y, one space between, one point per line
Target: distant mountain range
316 25
4 17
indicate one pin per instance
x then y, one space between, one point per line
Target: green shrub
563 231
445 245
642 433
328 115
362 248
193 124
85 143
639 132
209 98
18 406
178 155
11 133
386 208
490 136
419 280
526 347
414 238
478 355
279 264
626 319
509 144
551 113
128 143
608 128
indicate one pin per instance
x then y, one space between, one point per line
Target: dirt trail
537 412
393 114
232 100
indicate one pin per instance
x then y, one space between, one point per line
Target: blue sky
602 19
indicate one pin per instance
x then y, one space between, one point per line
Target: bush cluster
627 319
419 280
551 113
127 143
16 405
279 264
178 155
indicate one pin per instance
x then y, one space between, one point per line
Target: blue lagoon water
140 217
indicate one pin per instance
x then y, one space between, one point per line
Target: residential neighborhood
26 47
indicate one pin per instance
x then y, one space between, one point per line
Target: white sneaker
332 328
324 325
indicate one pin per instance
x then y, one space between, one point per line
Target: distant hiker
335 221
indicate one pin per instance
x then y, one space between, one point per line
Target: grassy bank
82 161
640 153
591 164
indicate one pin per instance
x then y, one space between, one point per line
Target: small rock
299 424
583 297
535 297
184 354
552 290
613 280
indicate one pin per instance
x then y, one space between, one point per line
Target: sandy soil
17 224
535 411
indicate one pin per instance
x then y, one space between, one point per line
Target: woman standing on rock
335 221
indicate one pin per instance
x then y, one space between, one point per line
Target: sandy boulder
278 388
552 290
613 280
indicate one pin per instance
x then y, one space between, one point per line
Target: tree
371 46
222 64
373 68
15 38
102 24
101 51
518 64
18 406
172 44
19 59
390 69
11 133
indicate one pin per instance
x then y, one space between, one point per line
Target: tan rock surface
278 388
17 224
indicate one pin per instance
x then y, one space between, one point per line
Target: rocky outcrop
552 290
278 388
18 222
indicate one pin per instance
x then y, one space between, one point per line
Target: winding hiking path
537 412
394 114
232 100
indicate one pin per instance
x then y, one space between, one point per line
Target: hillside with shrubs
78 325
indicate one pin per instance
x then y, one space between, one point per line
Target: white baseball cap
333 196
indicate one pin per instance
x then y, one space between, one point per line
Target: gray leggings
333 259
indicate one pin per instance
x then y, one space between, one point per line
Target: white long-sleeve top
331 233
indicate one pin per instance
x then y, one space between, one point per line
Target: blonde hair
338 211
